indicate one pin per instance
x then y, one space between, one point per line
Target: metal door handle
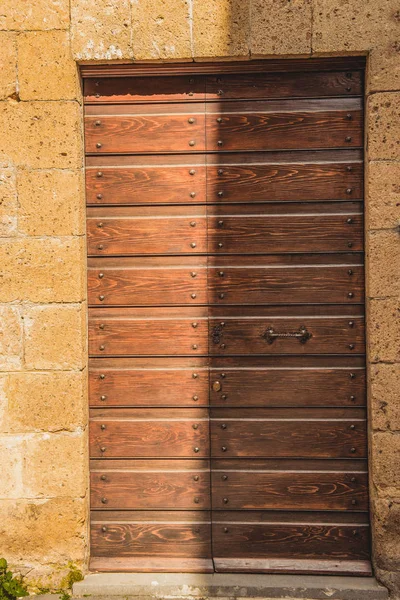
303 335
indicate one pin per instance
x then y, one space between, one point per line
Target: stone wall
43 402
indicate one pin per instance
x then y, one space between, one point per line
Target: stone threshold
227 585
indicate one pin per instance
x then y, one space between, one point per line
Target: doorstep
226 585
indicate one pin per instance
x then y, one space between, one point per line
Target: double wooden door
226 320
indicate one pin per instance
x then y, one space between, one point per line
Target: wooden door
226 321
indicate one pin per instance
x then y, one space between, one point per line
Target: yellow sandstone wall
43 401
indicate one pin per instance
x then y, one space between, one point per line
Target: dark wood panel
283 85
150 435
184 88
283 182
245 131
277 233
166 285
167 486
146 185
257 336
163 336
287 387
263 285
290 541
127 236
148 387
289 490
145 133
297 438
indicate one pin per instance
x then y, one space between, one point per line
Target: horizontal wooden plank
245 131
283 182
147 185
289 490
169 487
257 336
287 387
150 564
293 566
148 387
290 541
173 235
149 438
283 85
144 133
259 234
296 438
185 88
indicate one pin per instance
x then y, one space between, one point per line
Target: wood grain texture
144 133
283 85
146 185
283 131
297 438
287 387
292 490
283 182
293 566
130 236
248 336
247 234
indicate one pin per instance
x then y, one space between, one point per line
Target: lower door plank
293 566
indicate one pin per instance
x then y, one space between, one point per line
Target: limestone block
51 401
8 203
28 15
11 460
8 64
11 350
353 26
41 135
383 325
383 199
55 465
42 270
46 70
385 399
220 28
383 248
280 27
383 118
43 530
55 337
51 202
384 66
101 29
385 463
386 521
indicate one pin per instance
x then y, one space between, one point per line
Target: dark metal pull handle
302 335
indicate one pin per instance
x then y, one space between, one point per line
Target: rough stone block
353 26
41 135
383 324
281 27
385 463
55 337
8 203
385 399
384 66
46 70
8 64
51 401
383 249
28 15
51 202
383 198
47 531
386 521
383 118
101 29
55 465
42 270
11 331
220 28
11 460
